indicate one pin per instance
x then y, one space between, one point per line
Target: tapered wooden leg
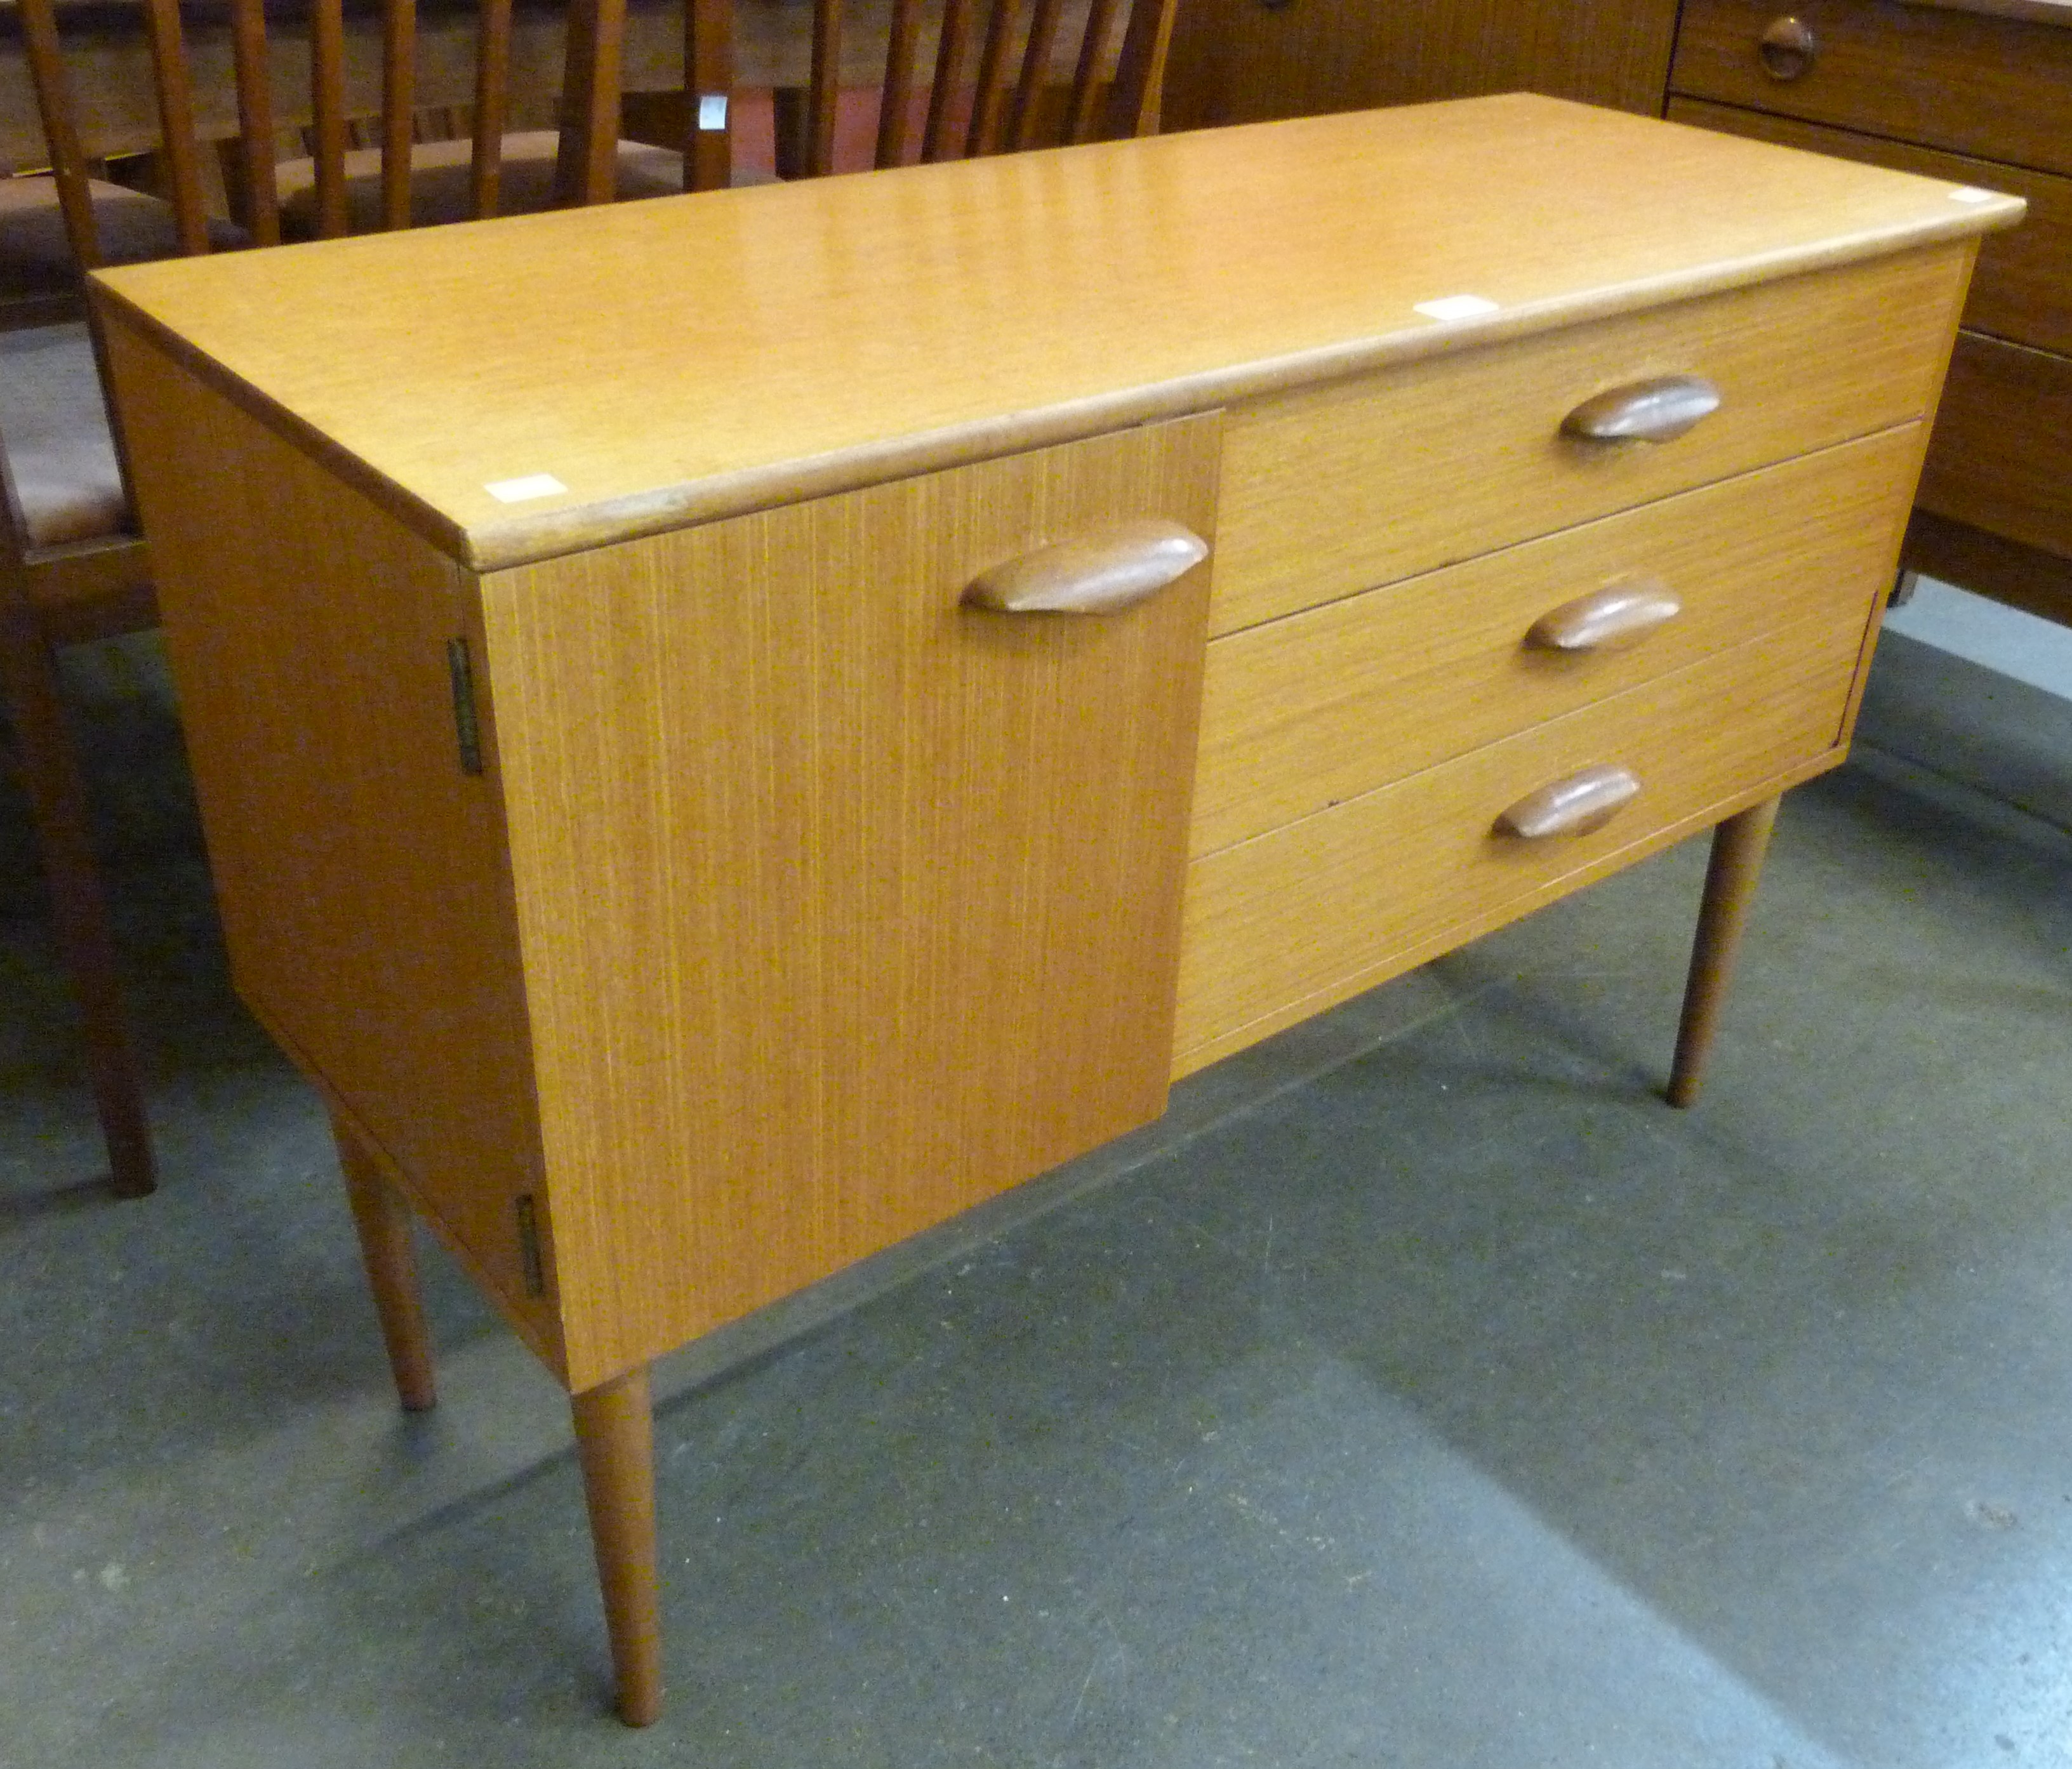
615 1434
383 1220
79 909
1738 847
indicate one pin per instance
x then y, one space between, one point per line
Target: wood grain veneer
362 877
1054 295
1309 471
842 906
1238 61
1998 458
2022 289
1321 707
1281 926
1957 80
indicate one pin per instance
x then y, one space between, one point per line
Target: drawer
1999 458
1338 489
1959 80
2022 289
1319 708
1283 925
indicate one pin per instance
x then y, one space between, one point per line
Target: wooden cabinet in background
1241 61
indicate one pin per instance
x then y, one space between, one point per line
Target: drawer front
1992 86
1320 707
1281 926
1331 490
2000 459
2022 289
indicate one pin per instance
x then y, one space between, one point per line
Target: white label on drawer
535 485
1456 307
712 111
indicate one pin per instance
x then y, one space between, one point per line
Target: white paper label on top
535 485
1456 307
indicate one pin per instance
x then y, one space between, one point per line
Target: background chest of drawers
1979 93
678 890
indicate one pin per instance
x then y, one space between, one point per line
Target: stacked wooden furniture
1976 90
701 811
73 567
1973 90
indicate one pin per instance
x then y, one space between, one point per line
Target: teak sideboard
719 749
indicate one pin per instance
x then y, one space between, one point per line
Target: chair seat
36 258
439 181
59 452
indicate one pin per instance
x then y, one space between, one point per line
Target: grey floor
1423 1391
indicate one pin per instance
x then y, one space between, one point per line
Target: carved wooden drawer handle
1574 806
1659 409
1788 48
1096 573
1621 614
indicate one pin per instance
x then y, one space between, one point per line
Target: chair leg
383 1220
1738 847
79 908
615 1438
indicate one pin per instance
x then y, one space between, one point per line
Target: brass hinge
528 1246
467 729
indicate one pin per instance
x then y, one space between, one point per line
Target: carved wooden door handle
1659 409
1574 806
1622 614
1100 572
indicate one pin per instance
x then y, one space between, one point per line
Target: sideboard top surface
683 359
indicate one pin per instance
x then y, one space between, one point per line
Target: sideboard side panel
843 907
361 872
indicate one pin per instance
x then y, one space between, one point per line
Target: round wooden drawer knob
1573 806
1788 48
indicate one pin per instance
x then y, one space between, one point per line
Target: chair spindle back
589 136
988 88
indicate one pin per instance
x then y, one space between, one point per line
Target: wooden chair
960 78
71 566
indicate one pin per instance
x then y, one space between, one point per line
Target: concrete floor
1422 1391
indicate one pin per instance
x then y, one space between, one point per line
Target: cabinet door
843 905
